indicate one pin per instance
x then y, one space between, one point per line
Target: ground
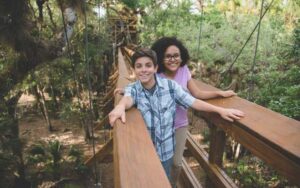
33 129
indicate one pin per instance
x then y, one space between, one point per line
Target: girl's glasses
169 57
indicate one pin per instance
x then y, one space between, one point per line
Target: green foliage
280 92
10 146
51 160
7 168
76 156
252 172
134 4
295 53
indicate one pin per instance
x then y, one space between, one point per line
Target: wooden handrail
268 135
188 177
136 163
213 171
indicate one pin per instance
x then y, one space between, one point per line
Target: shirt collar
157 80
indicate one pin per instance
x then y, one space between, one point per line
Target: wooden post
216 149
217 145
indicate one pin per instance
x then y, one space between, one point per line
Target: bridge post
216 149
217 145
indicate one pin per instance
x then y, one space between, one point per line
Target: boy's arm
119 111
226 113
199 94
183 98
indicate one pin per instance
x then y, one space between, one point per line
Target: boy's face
144 69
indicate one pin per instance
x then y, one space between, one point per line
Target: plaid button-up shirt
158 111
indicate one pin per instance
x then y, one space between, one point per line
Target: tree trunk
56 105
46 114
38 100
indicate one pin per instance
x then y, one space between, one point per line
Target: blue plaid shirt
158 111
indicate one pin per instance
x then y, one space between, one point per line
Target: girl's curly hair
160 47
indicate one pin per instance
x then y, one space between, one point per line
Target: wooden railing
136 163
272 137
268 135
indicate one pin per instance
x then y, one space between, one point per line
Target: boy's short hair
144 52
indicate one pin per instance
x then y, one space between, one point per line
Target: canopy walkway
268 135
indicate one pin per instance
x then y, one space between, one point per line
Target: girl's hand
228 93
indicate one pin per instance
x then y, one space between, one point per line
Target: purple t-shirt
182 77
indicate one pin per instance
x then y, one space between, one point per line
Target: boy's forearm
125 103
204 106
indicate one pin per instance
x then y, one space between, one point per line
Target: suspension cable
70 57
91 114
251 84
200 28
231 65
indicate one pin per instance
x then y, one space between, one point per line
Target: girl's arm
199 94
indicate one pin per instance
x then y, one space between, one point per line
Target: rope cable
231 65
91 114
200 29
75 77
251 84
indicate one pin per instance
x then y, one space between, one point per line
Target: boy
156 98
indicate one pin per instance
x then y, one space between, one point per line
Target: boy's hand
116 113
231 114
228 93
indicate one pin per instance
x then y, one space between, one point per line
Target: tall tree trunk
54 98
43 101
38 100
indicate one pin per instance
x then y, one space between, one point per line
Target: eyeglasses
169 57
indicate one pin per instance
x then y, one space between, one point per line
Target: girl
172 59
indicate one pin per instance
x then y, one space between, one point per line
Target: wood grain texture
271 136
136 163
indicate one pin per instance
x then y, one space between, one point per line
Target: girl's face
172 59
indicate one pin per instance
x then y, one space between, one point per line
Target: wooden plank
279 130
101 154
215 173
188 177
269 135
136 163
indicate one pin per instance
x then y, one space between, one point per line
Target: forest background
36 57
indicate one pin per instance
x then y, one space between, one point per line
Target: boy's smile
144 69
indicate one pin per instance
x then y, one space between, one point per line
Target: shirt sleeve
182 97
130 91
